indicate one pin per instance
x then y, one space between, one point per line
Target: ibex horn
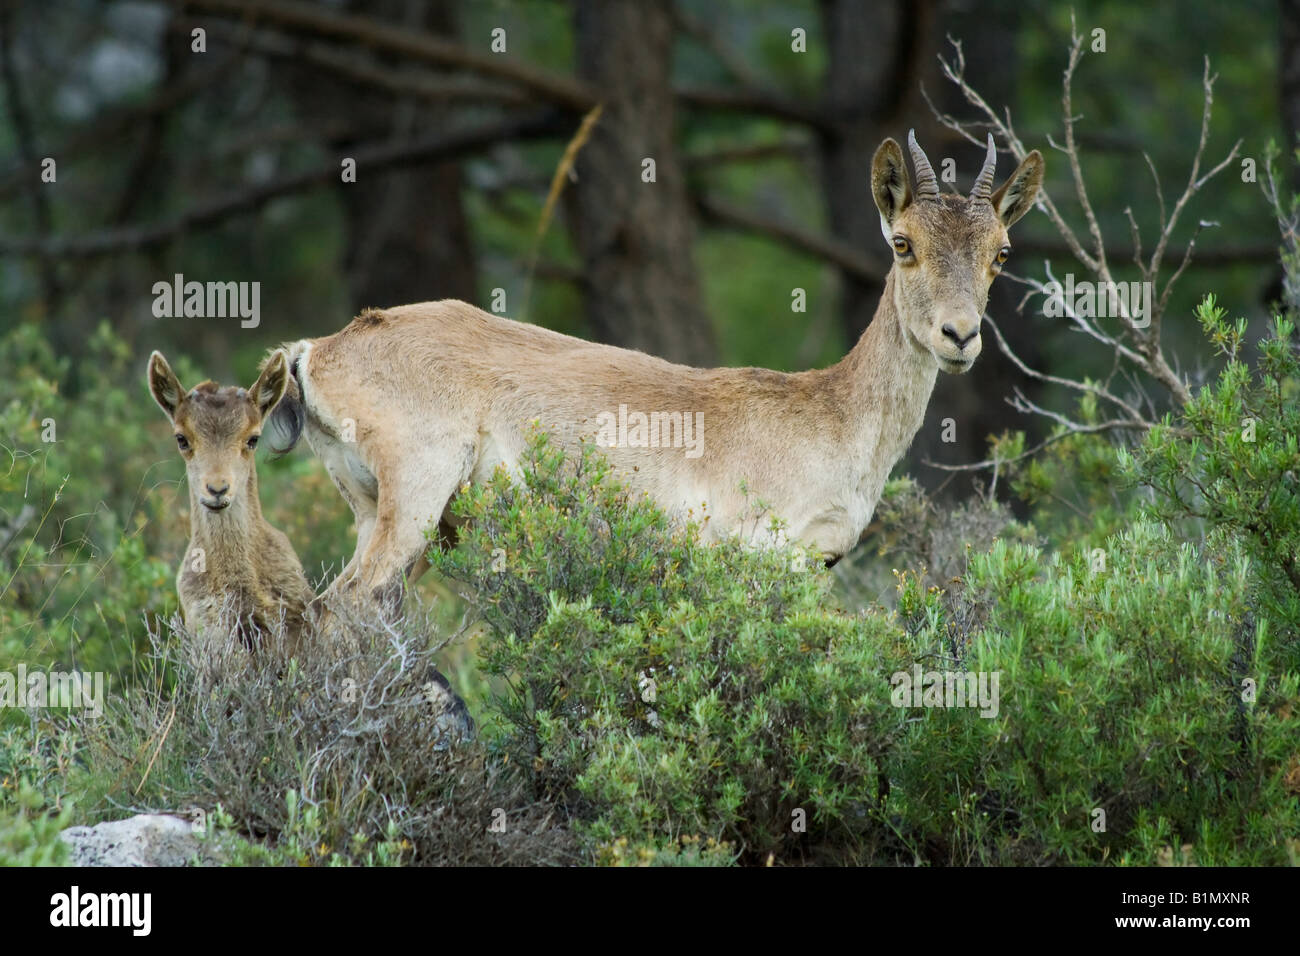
984 181
927 186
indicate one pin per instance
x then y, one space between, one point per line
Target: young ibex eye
902 246
182 443
1003 254
252 441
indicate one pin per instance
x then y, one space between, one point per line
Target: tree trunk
869 49
636 238
407 239
1288 69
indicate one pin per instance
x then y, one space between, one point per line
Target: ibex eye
252 441
182 443
901 245
1003 254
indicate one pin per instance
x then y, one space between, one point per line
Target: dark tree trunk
870 54
408 239
1288 68
636 238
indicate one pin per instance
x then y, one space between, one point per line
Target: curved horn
927 186
984 181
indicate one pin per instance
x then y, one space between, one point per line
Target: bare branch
1072 150
313 20
1085 387
753 101
362 71
1193 183
840 254
955 72
789 148
1137 343
1076 429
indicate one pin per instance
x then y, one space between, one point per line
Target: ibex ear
890 185
269 388
1016 196
164 385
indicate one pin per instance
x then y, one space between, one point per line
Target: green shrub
1122 690
1232 463
666 688
333 759
662 689
29 836
79 574
35 765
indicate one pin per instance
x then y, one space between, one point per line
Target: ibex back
407 404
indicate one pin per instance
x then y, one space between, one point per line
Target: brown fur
441 393
240 577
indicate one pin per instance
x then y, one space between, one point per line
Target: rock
149 839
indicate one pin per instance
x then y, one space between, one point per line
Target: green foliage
79 576
664 687
1231 463
1121 690
33 776
709 691
28 835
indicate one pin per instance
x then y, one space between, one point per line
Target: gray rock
150 839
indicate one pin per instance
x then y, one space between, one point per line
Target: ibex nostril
951 333
218 492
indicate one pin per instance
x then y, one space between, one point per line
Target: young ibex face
217 428
947 248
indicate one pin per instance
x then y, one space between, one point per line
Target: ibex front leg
391 554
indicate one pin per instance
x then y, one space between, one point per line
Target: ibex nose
951 332
218 492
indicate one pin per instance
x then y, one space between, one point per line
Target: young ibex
407 404
241 582
240 576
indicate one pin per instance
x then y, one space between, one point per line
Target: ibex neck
888 379
228 537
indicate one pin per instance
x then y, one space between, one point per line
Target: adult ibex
407 404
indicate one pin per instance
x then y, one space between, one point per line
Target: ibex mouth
216 505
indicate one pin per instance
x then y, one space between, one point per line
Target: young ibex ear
164 385
890 185
1016 196
269 388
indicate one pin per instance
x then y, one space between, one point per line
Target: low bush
333 759
663 690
